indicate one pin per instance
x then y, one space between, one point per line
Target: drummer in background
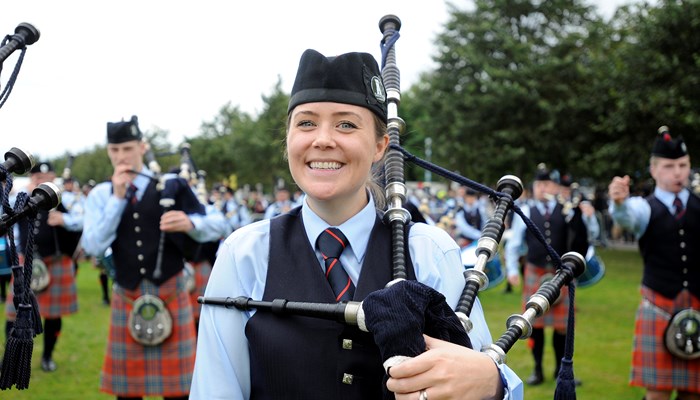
470 216
336 133
56 236
564 231
667 226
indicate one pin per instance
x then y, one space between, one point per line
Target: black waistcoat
554 230
472 217
670 249
294 357
135 249
49 240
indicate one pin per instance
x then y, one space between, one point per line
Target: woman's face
331 148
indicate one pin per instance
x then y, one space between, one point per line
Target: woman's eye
305 123
347 125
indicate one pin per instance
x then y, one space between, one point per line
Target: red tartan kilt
653 366
133 370
558 314
60 297
202 270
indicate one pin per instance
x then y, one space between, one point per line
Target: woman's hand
446 371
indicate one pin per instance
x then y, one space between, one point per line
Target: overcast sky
176 63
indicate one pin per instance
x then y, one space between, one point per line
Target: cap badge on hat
134 130
44 168
378 89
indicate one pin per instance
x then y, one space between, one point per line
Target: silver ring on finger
423 395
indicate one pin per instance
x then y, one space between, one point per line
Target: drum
5 268
595 269
493 270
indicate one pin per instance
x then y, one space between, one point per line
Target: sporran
40 275
150 322
682 334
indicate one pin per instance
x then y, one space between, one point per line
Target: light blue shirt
634 213
103 213
75 206
222 367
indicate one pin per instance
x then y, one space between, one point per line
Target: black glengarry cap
42 167
124 131
666 146
350 78
545 174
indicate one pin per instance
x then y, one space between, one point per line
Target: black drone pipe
25 34
396 215
519 326
487 246
45 196
16 162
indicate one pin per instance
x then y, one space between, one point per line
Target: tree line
517 82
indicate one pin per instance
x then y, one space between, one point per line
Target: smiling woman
337 130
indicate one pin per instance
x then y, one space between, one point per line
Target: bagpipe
195 177
25 34
392 314
175 193
16 365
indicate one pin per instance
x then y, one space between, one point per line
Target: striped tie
680 211
331 243
131 194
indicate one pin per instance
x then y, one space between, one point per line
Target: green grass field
604 329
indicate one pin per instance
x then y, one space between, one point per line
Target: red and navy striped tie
680 211
331 242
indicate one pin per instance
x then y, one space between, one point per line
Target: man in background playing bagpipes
565 231
56 236
666 353
151 224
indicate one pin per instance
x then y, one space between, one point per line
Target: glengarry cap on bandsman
350 78
124 131
665 146
42 167
545 174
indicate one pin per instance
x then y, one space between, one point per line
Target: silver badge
378 89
